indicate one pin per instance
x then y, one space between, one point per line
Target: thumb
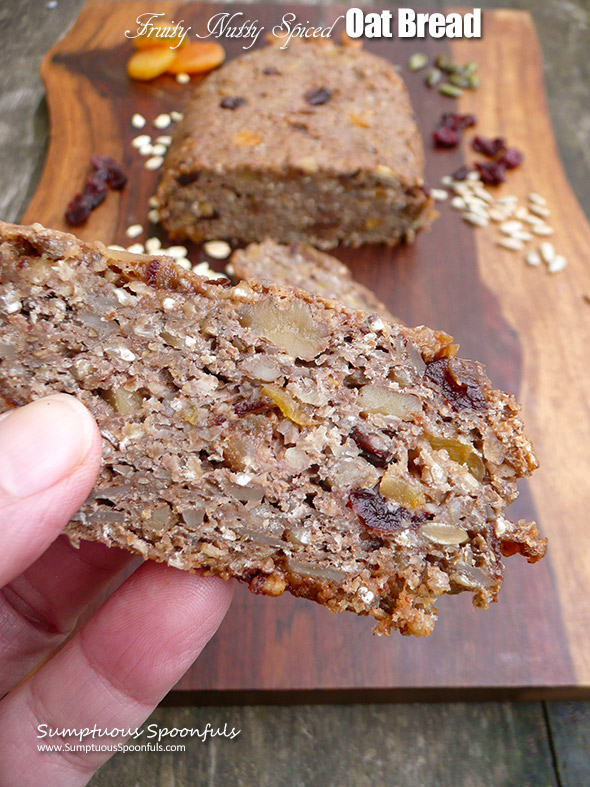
49 459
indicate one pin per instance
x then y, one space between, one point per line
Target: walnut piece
293 329
377 398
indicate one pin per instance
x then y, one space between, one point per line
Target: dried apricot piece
160 36
150 63
198 57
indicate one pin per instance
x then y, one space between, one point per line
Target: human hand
120 664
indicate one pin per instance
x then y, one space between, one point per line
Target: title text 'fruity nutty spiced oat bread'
310 143
264 433
302 266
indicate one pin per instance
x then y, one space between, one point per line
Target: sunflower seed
458 203
508 227
557 264
141 140
218 249
524 236
543 229
532 258
154 216
138 121
537 199
439 195
153 245
183 79
497 215
480 192
547 252
511 243
476 219
136 248
474 201
176 116
155 162
540 210
146 150
177 251
159 149
162 121
134 231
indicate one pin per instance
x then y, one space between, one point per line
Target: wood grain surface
528 328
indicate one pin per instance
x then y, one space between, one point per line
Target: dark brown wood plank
569 727
455 745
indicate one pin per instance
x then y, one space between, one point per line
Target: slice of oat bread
306 268
262 433
317 144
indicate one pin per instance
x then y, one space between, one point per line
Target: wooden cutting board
530 328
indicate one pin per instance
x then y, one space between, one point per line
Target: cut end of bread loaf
316 144
267 434
306 268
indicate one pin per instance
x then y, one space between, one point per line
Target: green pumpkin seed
443 62
459 80
473 81
433 77
418 61
450 90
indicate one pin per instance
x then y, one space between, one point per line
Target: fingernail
42 443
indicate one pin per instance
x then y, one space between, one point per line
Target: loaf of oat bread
263 433
306 268
309 143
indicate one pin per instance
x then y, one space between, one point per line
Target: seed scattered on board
218 249
516 224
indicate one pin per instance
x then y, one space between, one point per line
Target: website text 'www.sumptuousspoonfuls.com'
150 738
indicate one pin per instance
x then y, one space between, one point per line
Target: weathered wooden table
492 743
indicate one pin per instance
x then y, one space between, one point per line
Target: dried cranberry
110 171
186 178
448 131
445 137
491 172
369 451
488 147
320 95
232 102
250 406
375 512
95 189
461 173
78 210
511 158
456 122
459 382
